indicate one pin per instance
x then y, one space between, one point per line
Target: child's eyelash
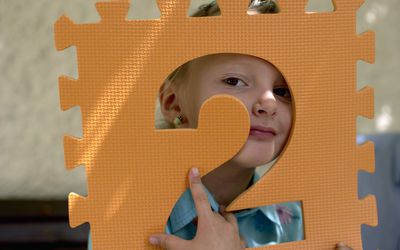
233 81
282 91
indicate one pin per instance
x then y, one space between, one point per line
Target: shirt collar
268 211
184 211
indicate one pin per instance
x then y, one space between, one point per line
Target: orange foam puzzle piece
135 173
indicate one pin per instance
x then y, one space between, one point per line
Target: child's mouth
262 133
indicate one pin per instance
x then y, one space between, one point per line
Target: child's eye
233 81
282 91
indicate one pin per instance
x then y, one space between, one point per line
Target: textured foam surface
135 173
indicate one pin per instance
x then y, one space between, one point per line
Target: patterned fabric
259 226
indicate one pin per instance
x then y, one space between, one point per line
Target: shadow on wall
385 185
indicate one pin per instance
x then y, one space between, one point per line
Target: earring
178 120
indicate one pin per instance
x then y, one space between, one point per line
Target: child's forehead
216 60
229 61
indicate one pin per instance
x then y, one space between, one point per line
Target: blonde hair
161 122
210 9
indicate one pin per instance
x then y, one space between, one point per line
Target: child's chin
252 161
254 154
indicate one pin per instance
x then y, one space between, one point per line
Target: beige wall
32 124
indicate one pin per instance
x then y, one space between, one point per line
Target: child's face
261 88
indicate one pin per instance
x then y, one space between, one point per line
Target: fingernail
194 175
195 172
340 244
154 240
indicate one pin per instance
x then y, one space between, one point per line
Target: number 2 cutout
135 172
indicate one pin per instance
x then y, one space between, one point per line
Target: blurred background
34 184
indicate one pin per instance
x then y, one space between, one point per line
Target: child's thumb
167 241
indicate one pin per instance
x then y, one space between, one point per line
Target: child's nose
266 104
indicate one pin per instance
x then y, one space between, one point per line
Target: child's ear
169 104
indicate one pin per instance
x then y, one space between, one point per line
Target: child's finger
231 219
199 195
167 241
243 242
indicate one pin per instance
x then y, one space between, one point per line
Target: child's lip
261 129
259 135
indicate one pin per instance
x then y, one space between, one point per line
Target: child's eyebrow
281 80
235 65
240 65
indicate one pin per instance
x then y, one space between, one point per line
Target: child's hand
342 246
215 231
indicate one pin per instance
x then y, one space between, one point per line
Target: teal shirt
259 226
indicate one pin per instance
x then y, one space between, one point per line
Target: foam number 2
135 173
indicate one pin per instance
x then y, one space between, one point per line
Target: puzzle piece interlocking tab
135 173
